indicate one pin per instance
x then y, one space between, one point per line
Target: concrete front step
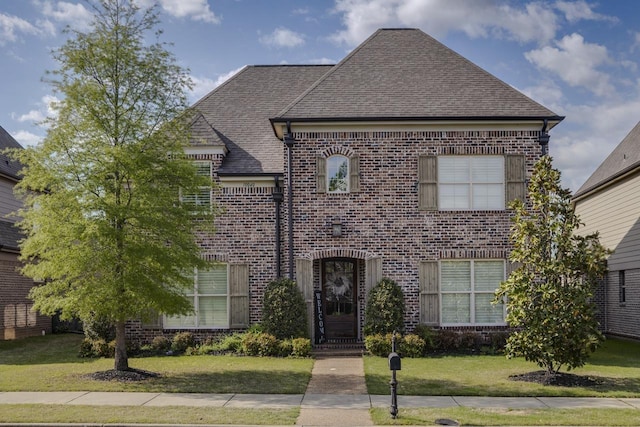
351 349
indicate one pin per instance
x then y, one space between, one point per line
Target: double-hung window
471 183
467 290
201 198
210 299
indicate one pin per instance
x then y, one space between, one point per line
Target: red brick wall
17 320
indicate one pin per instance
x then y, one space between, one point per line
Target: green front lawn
615 366
51 364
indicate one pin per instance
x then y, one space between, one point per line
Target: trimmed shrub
182 341
378 344
284 312
469 342
411 345
229 344
98 328
260 344
160 344
447 340
301 347
498 341
428 335
384 312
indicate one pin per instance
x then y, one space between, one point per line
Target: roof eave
624 173
552 120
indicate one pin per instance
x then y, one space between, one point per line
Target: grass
51 364
519 417
171 415
616 366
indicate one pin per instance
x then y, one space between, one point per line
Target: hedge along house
17 318
397 162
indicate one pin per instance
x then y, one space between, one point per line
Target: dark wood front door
339 291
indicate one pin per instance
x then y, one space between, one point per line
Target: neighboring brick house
609 202
17 319
397 162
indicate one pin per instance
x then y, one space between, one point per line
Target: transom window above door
338 174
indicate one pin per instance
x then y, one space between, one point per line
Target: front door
339 291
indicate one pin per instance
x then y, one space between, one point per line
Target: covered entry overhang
335 284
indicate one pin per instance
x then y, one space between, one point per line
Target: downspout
289 141
277 198
544 138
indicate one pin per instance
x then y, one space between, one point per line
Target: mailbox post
394 365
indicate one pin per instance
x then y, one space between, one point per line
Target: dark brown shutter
354 174
239 295
427 183
429 298
515 172
304 279
321 174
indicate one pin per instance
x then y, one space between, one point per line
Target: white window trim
470 184
472 293
346 178
202 189
195 296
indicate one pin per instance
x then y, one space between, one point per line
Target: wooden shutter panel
429 298
373 273
427 182
239 295
515 171
304 279
354 174
321 174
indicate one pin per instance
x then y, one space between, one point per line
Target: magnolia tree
103 220
550 293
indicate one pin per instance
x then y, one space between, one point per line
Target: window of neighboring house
467 289
209 297
471 183
338 174
202 198
622 288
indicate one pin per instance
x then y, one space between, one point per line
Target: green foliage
160 344
411 345
301 347
428 335
384 312
260 344
98 327
182 341
284 312
378 344
102 217
550 294
447 341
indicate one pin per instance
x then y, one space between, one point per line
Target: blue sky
580 58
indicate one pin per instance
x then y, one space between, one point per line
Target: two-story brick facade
17 319
397 162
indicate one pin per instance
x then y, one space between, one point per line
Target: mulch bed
560 379
131 375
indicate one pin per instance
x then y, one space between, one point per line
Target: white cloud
575 62
197 10
575 11
11 26
26 138
32 116
283 37
636 41
480 18
73 14
323 61
36 116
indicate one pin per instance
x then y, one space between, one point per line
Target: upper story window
338 174
201 198
475 183
480 182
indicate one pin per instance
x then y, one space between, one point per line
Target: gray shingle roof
404 73
623 159
8 167
239 111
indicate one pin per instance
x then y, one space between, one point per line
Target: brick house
17 319
609 202
397 162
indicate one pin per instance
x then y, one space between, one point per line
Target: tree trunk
121 359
